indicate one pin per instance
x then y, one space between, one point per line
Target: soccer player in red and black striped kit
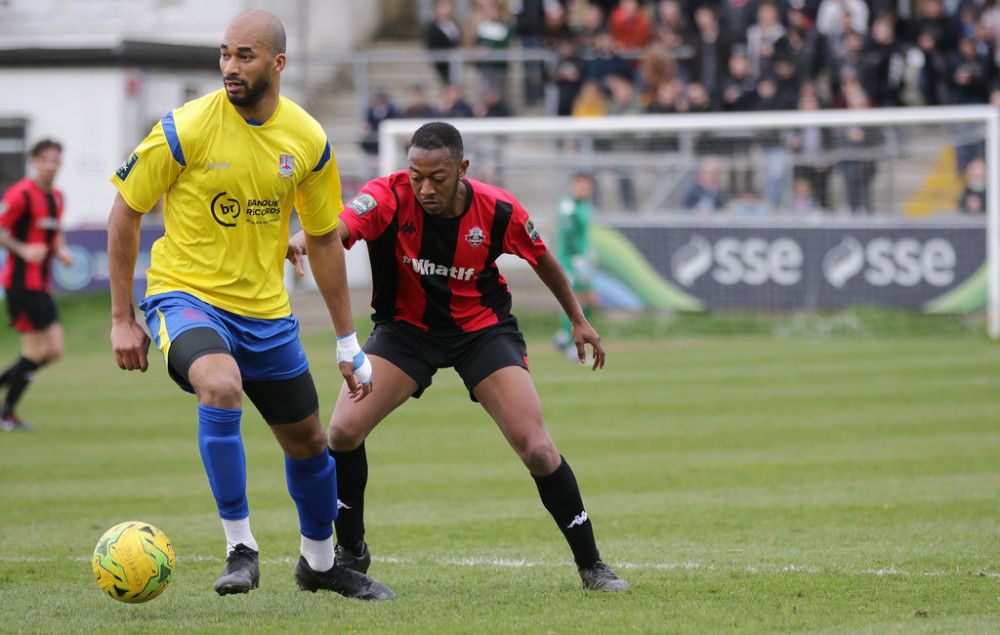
30 230
439 300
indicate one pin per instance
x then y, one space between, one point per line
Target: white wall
85 129
336 24
98 121
100 114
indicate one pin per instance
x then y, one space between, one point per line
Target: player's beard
254 92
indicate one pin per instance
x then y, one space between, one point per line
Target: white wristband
349 351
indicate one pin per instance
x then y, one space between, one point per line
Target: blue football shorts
264 349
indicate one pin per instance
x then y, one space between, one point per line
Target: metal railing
462 70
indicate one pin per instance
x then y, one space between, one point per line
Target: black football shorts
474 355
30 311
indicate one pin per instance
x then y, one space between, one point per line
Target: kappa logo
341 505
408 228
579 520
475 237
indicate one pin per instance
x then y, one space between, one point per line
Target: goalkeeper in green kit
575 255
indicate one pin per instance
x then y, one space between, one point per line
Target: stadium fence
775 244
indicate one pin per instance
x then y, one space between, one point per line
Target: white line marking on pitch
492 561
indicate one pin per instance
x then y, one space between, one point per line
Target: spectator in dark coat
442 34
810 147
802 42
885 60
381 108
606 60
711 50
934 34
453 103
566 74
856 146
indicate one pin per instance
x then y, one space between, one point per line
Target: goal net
772 213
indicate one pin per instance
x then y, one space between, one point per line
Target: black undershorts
279 402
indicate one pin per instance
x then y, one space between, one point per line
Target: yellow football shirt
229 188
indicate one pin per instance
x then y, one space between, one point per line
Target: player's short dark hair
43 145
437 135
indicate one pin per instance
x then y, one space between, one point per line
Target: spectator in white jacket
830 16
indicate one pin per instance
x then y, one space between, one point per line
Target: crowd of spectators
679 56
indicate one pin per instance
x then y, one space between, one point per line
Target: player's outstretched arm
128 340
326 261
550 272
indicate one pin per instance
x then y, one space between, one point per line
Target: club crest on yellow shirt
286 165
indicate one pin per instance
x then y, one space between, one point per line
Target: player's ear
279 62
462 167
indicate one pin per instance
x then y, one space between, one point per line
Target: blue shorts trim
265 350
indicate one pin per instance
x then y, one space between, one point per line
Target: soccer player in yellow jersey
231 166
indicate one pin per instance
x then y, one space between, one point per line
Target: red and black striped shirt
440 274
30 215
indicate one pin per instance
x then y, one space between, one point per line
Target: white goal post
532 156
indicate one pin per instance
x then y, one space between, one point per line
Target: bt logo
225 209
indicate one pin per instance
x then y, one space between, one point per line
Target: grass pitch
741 484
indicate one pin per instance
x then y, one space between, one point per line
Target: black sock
9 372
12 371
20 375
561 496
352 478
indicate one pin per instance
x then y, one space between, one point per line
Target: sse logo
730 261
905 262
225 210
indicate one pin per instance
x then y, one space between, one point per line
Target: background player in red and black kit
30 214
433 239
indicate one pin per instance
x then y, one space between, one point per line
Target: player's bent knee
299 447
541 458
302 440
223 391
55 353
343 439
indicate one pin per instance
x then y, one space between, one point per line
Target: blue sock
312 484
225 463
